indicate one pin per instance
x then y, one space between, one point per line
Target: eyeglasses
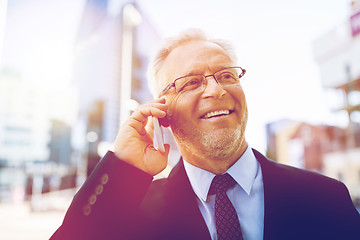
197 82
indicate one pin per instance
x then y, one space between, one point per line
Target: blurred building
55 120
332 150
337 53
303 145
60 143
26 118
278 135
24 133
29 133
94 135
52 130
316 141
38 105
114 43
319 148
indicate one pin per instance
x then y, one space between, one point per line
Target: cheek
239 96
173 111
181 109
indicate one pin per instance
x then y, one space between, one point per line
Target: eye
227 77
189 83
193 81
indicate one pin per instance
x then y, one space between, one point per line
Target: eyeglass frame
243 71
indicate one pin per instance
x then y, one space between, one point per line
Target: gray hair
172 43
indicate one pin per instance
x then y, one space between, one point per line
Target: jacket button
104 178
87 210
92 199
99 189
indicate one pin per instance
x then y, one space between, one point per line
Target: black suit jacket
118 201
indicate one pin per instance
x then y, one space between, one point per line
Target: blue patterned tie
227 222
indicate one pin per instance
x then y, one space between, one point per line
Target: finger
159 100
142 114
139 119
161 106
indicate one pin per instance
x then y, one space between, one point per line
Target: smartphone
158 136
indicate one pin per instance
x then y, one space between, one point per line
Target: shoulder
298 187
296 177
315 200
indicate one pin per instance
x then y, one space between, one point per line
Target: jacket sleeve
106 206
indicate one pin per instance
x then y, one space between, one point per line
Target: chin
218 144
222 143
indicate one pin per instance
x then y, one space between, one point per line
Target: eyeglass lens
223 77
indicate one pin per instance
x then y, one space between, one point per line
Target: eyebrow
194 72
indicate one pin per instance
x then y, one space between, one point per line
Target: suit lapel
185 210
277 188
186 218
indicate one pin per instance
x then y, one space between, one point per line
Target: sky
38 41
273 41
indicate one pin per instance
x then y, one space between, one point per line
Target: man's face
215 138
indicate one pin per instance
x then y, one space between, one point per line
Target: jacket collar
276 180
183 199
187 211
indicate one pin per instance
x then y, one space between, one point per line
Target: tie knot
221 183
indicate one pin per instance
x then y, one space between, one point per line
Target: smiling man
221 188
207 107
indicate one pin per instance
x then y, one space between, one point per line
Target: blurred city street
19 222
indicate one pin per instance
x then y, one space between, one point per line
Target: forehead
194 57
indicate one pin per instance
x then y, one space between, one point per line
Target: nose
213 88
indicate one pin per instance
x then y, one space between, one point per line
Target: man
203 103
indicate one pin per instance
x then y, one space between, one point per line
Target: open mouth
216 114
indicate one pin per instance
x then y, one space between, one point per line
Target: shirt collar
243 171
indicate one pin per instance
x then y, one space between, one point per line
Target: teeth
216 113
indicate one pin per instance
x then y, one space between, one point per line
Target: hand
134 142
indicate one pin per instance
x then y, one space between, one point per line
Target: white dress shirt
247 195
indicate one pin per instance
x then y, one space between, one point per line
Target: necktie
227 222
